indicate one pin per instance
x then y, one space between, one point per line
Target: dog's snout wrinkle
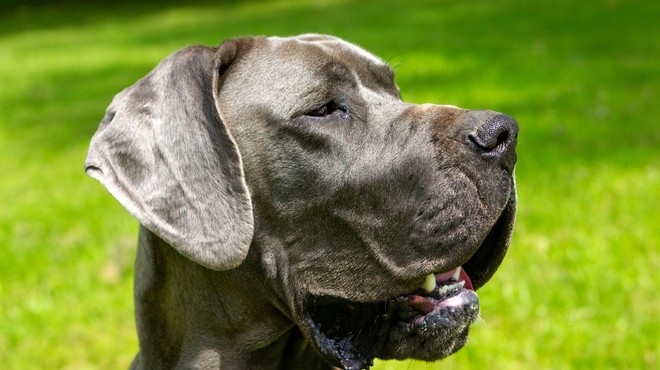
495 135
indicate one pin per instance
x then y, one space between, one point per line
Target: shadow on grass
561 66
22 14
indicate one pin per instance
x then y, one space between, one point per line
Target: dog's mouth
351 334
428 323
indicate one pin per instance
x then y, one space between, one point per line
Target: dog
295 213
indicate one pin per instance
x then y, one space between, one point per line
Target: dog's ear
164 152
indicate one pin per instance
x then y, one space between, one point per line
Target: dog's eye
329 109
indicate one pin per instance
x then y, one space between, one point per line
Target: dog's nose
494 135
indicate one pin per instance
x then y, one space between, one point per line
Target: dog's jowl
296 214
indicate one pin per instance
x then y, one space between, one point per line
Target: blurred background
578 288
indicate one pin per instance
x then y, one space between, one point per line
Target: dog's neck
186 314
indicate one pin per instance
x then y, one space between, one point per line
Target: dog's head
378 219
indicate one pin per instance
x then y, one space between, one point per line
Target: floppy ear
163 151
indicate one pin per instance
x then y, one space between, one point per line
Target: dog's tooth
429 283
457 273
443 290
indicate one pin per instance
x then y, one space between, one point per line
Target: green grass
578 288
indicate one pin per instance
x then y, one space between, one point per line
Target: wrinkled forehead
326 54
336 46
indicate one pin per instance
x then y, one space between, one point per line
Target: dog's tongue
466 278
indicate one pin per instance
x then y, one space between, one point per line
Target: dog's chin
435 335
427 324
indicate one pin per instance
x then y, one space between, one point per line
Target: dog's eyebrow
337 70
378 77
387 72
328 80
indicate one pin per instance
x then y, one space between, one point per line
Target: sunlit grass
578 288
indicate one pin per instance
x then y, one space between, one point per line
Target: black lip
443 316
350 334
485 261
344 331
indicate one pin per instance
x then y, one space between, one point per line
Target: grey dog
295 213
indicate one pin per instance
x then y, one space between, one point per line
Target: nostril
498 144
502 139
474 141
495 134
